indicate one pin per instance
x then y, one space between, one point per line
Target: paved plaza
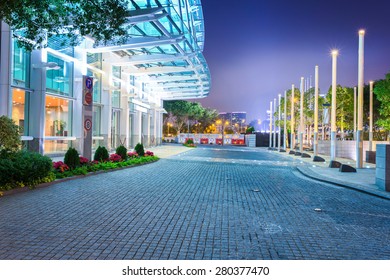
204 203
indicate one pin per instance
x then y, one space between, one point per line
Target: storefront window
59 81
20 66
115 98
115 129
58 123
19 110
96 121
58 116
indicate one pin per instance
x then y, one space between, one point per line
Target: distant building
239 118
225 116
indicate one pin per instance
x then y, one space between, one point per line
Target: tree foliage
9 134
36 21
182 113
382 92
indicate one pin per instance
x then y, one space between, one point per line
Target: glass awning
165 48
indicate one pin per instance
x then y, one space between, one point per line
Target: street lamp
292 145
371 117
335 53
316 111
359 134
301 126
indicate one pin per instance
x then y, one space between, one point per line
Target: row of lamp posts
358 134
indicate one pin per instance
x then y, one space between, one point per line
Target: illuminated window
19 109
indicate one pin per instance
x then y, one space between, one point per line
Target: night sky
256 49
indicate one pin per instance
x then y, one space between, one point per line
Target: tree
184 113
382 93
9 134
344 107
37 21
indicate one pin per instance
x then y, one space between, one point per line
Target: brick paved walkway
204 204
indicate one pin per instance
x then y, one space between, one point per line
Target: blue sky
257 48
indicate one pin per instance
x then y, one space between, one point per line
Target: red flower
115 158
83 160
132 154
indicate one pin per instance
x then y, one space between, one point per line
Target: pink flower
115 158
132 154
149 153
83 160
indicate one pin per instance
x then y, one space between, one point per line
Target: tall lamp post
359 134
354 113
371 117
301 127
285 135
315 148
292 144
279 119
335 53
274 124
270 125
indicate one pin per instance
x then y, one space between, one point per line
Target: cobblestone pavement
206 203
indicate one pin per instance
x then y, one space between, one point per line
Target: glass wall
115 136
58 123
59 80
20 66
20 109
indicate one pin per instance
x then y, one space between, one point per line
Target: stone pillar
382 179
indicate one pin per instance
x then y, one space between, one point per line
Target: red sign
87 124
88 98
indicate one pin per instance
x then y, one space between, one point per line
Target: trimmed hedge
24 168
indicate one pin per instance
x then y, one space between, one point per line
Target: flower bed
114 162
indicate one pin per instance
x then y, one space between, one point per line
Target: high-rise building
42 90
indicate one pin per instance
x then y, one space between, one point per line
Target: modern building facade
42 90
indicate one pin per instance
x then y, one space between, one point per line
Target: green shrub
139 148
72 158
101 154
9 134
122 151
24 168
189 141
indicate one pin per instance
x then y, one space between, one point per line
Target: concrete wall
382 179
346 149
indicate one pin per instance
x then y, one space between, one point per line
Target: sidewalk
363 180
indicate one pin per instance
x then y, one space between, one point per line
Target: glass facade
59 81
162 60
20 66
58 124
20 109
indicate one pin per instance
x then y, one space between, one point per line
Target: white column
301 125
315 148
292 144
279 119
285 134
371 117
5 70
274 144
359 134
125 110
354 113
270 125
333 115
37 112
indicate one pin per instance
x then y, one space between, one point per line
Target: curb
45 185
310 174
